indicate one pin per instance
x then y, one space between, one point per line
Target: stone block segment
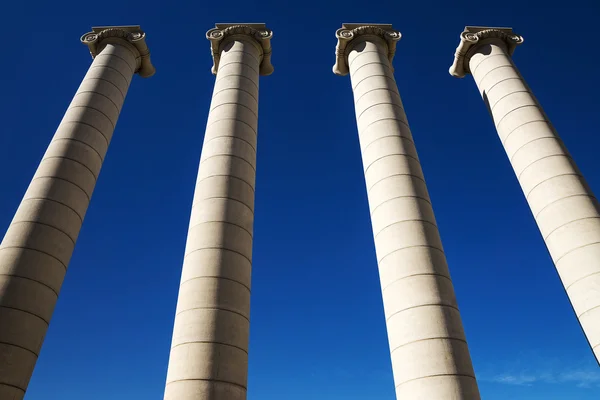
430 357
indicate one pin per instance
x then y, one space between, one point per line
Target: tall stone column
562 203
37 247
209 349
430 357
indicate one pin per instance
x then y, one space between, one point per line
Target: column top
223 33
132 36
351 31
474 36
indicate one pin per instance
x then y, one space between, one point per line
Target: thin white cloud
578 377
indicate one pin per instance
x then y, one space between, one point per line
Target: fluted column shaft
37 247
430 357
209 350
564 207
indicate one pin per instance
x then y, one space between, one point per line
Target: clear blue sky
317 327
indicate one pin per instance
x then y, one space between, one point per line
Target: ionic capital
259 34
475 36
130 36
349 34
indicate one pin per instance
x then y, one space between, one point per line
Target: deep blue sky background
317 320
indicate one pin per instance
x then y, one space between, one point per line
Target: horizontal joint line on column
65 180
95 109
99 94
39 251
79 141
216 277
488 90
392 155
233 137
128 81
132 69
26 312
487 58
513 110
380 104
435 376
231 119
228 176
208 380
197 201
217 248
20 347
588 310
427 246
422 305
567 223
372 63
235 104
427 339
490 71
567 156
12 386
523 124
372 90
389 136
505 96
535 140
112 83
372 76
582 278
401 222
366 52
229 155
32 280
414 275
547 179
86 124
245 52
563 198
401 121
221 66
74 160
214 308
398 197
54 201
223 222
44 224
237 90
239 76
575 249
394 175
211 342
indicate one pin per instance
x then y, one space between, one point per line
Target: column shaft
37 247
430 357
563 205
209 350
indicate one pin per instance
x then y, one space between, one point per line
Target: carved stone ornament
260 34
131 36
349 32
474 36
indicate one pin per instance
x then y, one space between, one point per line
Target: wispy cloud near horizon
582 378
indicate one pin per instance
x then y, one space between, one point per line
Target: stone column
430 357
209 349
37 247
561 201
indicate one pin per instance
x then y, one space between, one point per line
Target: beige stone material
209 349
38 244
430 357
563 205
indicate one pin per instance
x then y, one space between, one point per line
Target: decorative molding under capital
131 36
349 32
260 34
472 37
